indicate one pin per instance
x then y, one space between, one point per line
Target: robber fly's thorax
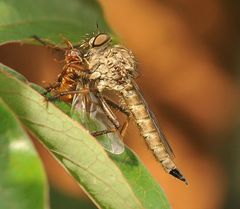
112 66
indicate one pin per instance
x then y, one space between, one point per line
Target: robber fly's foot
177 174
45 93
49 98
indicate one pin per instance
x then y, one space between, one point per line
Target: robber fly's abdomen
147 128
149 131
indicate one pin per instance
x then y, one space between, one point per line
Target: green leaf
72 19
129 164
22 178
111 181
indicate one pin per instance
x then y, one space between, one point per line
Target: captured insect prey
97 66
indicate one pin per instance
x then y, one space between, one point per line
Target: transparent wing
161 134
86 109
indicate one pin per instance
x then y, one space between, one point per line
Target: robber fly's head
101 40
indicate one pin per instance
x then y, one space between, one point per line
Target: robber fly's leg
99 133
51 87
124 127
107 110
124 111
122 131
117 107
64 93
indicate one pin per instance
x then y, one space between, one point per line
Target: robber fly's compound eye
100 40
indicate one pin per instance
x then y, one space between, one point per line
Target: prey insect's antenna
46 43
41 41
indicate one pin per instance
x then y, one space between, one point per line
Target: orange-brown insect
74 86
73 69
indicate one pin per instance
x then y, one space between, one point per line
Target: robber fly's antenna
97 26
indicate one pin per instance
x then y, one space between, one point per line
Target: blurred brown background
188 54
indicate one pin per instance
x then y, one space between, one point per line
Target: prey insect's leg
105 103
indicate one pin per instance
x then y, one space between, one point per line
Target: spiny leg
124 111
107 110
51 87
104 103
64 93
106 131
99 133
124 127
117 107
110 115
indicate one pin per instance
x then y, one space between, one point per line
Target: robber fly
101 66
73 86
113 67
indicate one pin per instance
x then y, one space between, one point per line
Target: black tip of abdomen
176 173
